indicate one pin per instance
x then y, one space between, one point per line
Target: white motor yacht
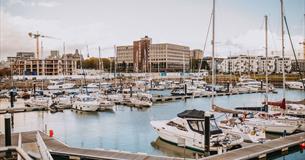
106 105
296 84
140 101
85 102
252 84
39 101
188 128
271 125
56 85
116 98
63 101
253 134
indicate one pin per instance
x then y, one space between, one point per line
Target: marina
236 93
137 137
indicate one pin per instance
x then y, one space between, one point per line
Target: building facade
196 54
297 66
254 64
65 65
143 56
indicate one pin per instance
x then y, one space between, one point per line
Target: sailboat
83 101
274 121
188 126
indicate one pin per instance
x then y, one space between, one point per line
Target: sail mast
267 59
283 48
213 55
99 66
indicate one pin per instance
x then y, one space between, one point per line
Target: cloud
33 3
46 4
252 42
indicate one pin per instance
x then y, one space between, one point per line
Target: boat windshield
88 99
198 126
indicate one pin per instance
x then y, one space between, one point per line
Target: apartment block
53 65
196 54
254 64
143 56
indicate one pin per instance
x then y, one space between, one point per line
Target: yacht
85 102
296 84
116 98
56 85
252 134
252 84
188 128
106 105
39 102
138 101
63 101
235 124
271 125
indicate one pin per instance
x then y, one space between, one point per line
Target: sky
87 24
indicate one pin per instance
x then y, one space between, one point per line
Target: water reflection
127 128
174 150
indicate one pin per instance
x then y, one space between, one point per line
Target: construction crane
36 36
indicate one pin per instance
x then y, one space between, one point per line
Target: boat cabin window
196 126
178 126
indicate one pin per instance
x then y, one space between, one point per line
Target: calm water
128 129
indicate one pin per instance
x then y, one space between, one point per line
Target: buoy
51 133
302 146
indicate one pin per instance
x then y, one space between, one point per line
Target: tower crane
36 36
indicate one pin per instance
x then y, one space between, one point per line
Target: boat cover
191 114
281 104
225 110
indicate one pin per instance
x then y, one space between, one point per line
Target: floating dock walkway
60 150
279 146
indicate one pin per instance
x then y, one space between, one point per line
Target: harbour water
129 129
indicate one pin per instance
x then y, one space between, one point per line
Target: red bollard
51 133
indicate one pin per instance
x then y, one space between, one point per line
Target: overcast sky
105 23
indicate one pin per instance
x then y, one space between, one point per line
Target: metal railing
43 148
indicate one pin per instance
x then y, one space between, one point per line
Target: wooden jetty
60 150
22 109
279 146
160 98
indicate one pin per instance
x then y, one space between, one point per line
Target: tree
5 72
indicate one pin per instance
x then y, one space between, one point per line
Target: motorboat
235 124
296 84
63 101
56 85
84 102
187 129
252 84
140 101
106 104
116 98
271 125
39 101
250 134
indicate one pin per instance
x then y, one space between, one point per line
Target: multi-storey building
196 54
254 64
279 64
67 65
218 62
297 66
145 56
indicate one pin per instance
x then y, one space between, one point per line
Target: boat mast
115 54
213 55
267 59
283 48
99 66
